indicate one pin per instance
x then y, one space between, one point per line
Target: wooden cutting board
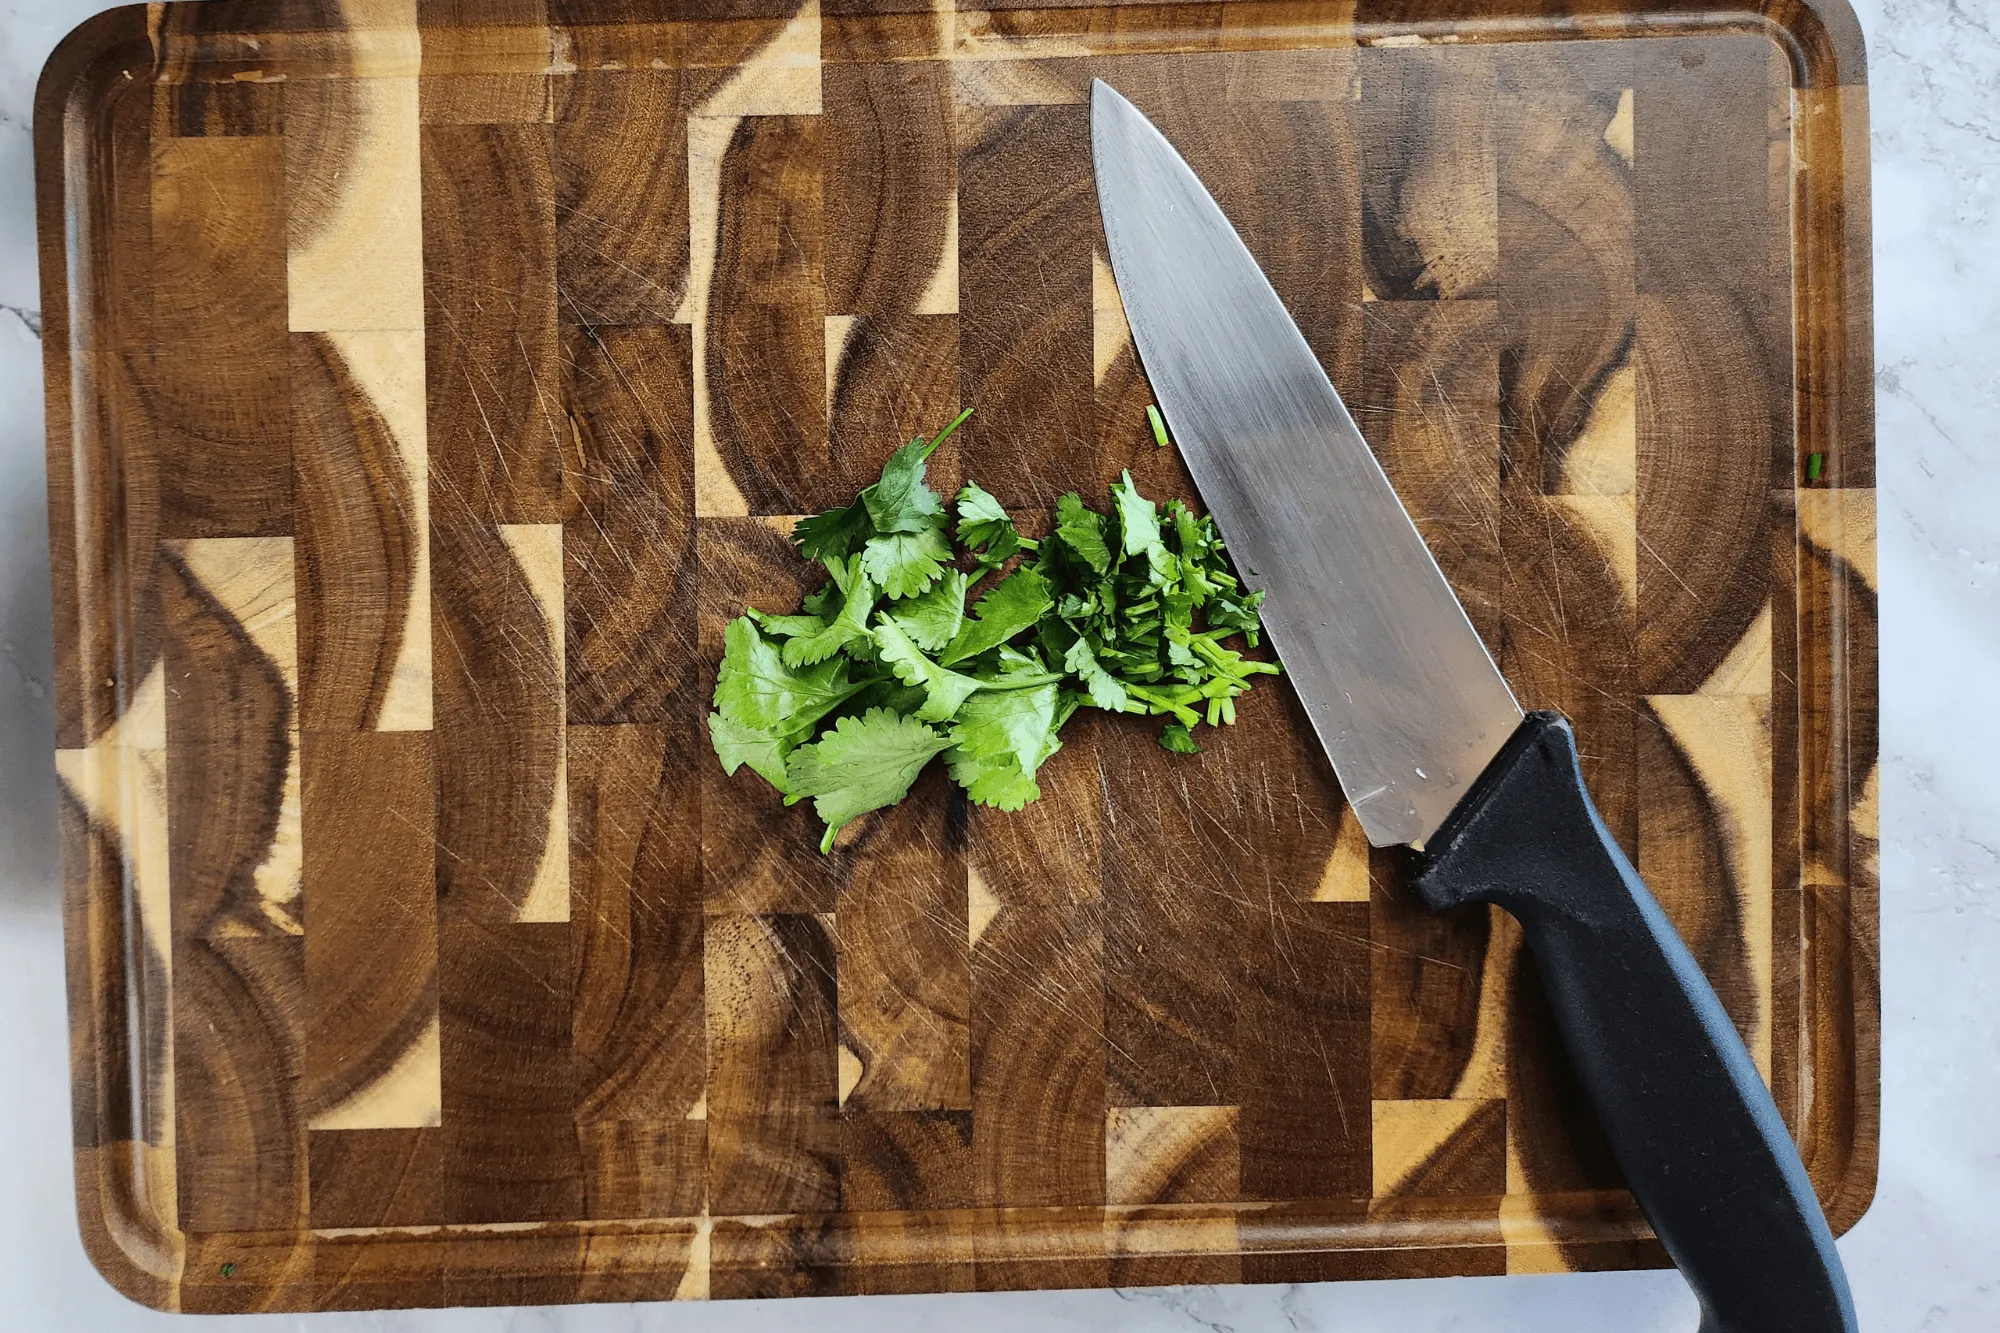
429 382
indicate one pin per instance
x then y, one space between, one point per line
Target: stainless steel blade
1404 696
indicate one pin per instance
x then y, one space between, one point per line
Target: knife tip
1111 114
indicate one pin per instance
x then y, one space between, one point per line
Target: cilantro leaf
1177 738
1082 531
1017 674
933 618
864 763
980 517
905 563
1237 614
944 689
995 782
1015 664
1106 691
1138 521
1009 606
900 501
756 690
985 527
825 601
1189 531
737 745
1000 740
1013 724
837 532
785 627
851 623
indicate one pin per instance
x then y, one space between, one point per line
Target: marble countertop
1922 1259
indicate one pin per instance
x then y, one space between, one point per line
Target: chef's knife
1433 751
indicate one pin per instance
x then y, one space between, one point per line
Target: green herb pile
893 661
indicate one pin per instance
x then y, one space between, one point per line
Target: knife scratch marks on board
1609 520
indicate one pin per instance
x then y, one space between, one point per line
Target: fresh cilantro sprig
894 661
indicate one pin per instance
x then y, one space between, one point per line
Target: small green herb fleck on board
229 1270
1814 462
942 631
1159 425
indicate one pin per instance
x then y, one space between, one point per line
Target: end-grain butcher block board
430 381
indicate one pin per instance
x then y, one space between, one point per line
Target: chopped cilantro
1082 531
1138 520
984 527
886 665
1106 690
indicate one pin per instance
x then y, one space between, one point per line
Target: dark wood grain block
1025 207
629 556
216 387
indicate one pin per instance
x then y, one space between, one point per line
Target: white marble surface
1927 1256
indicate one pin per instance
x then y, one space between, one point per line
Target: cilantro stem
1240 670
1160 701
1021 682
945 434
1159 425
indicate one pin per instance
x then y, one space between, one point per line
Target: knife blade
1400 689
1432 750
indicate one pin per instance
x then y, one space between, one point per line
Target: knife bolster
1532 791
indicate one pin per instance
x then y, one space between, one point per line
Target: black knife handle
1689 1119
